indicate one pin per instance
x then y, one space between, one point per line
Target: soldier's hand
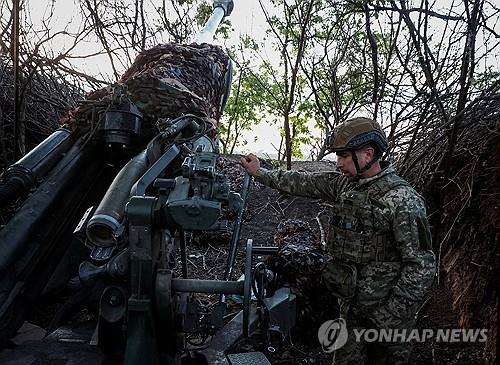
250 163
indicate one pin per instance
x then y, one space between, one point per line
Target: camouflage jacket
400 283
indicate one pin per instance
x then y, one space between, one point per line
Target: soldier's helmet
356 133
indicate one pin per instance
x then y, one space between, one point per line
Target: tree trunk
288 142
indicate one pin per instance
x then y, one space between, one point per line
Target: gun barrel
207 33
222 8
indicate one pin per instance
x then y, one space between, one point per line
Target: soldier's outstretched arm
413 240
326 185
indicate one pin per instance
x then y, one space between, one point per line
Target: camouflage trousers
364 352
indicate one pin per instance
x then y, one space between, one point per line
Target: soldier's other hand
251 164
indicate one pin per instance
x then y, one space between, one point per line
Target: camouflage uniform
381 261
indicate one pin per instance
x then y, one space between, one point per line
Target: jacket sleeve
413 241
324 185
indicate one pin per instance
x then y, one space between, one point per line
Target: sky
246 18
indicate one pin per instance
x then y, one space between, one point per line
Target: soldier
380 262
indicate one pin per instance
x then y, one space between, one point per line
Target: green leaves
243 110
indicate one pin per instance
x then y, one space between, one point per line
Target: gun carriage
164 186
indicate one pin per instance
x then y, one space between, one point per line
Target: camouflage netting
298 266
467 232
165 82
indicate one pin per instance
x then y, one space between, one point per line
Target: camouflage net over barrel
166 81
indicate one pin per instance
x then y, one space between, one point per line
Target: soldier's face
345 164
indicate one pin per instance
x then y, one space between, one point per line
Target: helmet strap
359 170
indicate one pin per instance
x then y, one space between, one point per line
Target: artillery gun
137 236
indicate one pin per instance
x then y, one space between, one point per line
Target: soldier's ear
370 152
